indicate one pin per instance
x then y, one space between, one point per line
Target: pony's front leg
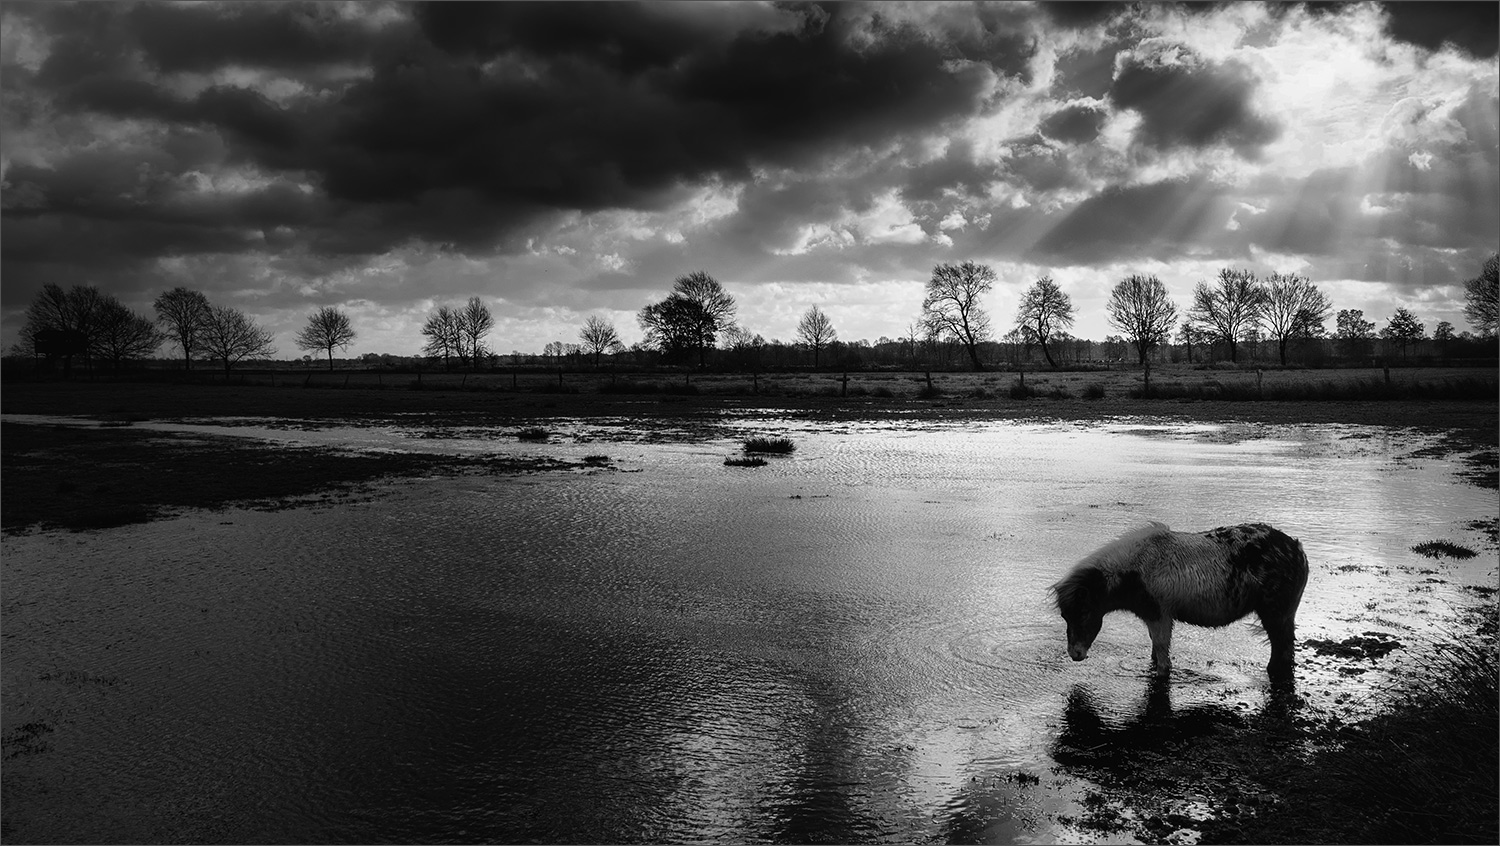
1161 644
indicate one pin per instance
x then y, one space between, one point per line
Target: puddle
853 643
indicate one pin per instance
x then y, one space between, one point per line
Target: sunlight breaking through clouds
524 153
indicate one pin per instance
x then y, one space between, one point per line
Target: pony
1208 578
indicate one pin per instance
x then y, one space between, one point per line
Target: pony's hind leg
1161 644
1281 630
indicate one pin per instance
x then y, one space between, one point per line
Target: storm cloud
303 153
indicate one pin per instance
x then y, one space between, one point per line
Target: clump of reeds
779 446
752 461
1020 390
533 433
1093 391
1438 549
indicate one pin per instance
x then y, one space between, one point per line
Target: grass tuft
752 461
780 446
1438 549
533 433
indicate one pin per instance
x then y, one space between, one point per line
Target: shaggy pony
1205 579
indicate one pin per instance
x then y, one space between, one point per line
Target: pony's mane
1123 548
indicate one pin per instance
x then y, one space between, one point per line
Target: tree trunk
1047 355
330 359
974 355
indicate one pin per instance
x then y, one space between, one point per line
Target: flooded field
853 643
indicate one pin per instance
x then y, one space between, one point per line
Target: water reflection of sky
853 643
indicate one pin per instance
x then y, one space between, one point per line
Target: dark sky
569 159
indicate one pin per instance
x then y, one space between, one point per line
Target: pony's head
1080 598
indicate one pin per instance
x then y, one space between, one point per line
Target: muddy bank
1421 770
92 478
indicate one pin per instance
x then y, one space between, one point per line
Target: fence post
844 385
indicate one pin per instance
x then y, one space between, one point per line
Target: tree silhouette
184 313
474 323
690 318
83 321
1293 308
444 337
1229 308
1404 329
121 334
230 336
1047 311
1354 332
599 336
816 330
951 306
1139 307
1482 297
326 328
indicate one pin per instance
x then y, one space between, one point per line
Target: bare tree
1293 308
1403 329
1482 297
747 346
1047 311
475 322
816 330
184 313
63 323
1226 310
444 338
599 336
326 328
1139 307
121 334
230 336
1189 335
951 307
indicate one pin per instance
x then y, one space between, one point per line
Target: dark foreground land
1422 770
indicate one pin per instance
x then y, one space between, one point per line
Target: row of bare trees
1283 307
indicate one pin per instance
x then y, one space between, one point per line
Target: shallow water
851 644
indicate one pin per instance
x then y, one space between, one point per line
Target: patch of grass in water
533 433
778 446
1438 549
752 461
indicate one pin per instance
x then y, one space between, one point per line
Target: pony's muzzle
1076 652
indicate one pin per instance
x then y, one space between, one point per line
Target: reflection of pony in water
1205 579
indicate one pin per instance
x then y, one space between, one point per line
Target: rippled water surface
854 643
